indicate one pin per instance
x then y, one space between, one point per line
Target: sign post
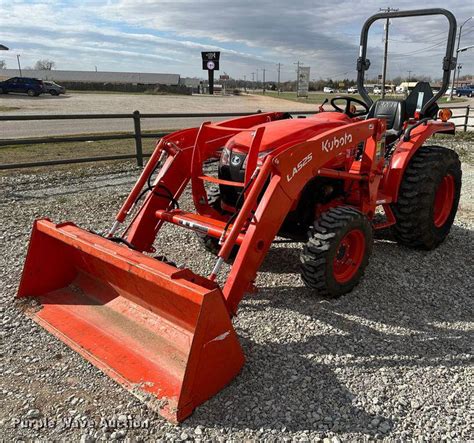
210 63
303 81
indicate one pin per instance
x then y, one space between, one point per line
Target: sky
252 35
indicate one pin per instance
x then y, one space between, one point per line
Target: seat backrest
393 111
418 97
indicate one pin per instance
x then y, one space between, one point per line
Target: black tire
1 90
459 94
321 260
31 93
211 244
423 220
53 92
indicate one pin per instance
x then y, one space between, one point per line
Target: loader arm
186 151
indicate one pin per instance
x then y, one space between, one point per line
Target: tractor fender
404 152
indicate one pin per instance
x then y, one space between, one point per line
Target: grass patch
74 91
69 150
9 108
319 97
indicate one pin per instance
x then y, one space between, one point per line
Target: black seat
394 112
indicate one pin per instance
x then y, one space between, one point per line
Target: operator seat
394 112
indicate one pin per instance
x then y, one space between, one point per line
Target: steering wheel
347 109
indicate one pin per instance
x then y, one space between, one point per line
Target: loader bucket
163 333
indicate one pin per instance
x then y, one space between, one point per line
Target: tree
3 64
45 65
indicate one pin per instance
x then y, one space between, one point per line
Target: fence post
466 117
138 138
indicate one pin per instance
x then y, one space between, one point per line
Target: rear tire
337 252
31 93
53 92
428 198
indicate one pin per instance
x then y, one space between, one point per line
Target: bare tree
3 64
45 65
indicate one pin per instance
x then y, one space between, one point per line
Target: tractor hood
289 131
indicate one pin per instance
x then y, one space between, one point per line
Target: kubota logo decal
299 166
336 142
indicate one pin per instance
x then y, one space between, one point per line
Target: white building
95 77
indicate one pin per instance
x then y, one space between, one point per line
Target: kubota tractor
165 332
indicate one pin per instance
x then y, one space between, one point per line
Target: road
82 103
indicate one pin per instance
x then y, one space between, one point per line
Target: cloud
167 36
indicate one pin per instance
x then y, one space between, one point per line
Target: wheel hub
349 256
443 202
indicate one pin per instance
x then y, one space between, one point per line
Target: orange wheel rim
444 199
349 255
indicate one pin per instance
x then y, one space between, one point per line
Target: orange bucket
163 333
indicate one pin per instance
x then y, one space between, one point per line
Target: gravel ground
392 360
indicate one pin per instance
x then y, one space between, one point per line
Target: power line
417 51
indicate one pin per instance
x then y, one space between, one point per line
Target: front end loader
164 332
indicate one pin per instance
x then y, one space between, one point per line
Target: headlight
261 156
225 157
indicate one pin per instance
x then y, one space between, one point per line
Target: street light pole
457 51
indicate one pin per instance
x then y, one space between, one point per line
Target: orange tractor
165 332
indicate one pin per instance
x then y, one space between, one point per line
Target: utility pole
19 65
409 76
385 52
263 80
253 81
279 69
245 83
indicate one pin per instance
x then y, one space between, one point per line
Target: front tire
31 93
428 198
337 252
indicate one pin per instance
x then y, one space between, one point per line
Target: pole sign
210 60
303 81
210 63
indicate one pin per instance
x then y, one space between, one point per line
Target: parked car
377 90
53 88
328 90
24 85
448 91
352 90
466 90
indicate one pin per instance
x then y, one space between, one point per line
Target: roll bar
449 61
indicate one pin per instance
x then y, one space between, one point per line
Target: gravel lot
391 360
127 103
